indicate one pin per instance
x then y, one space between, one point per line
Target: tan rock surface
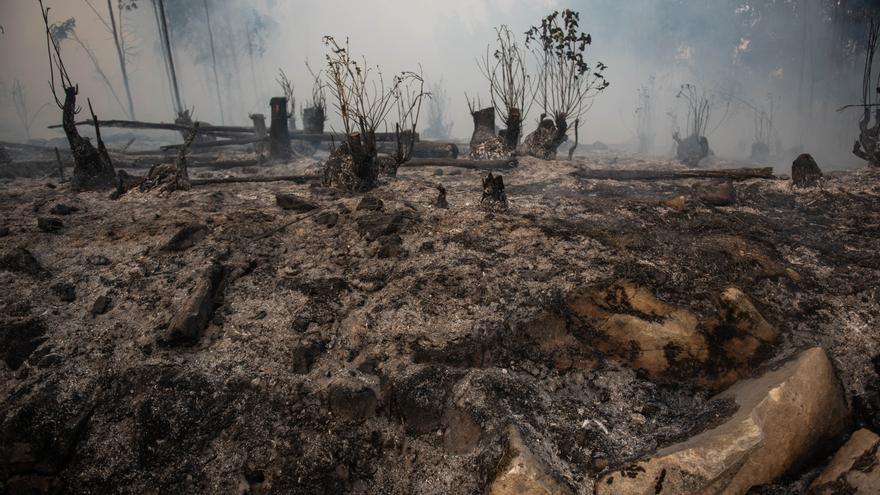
524 473
783 416
855 468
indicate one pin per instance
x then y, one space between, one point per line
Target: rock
186 237
374 225
97 260
65 292
4 231
352 400
49 224
855 468
18 339
101 305
327 218
524 473
716 193
805 171
63 209
293 202
370 203
193 316
677 203
784 416
672 345
20 260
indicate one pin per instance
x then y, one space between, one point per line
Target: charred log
729 174
423 149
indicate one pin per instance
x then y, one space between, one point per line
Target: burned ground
388 348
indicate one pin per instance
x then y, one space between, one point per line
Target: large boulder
785 417
855 468
524 473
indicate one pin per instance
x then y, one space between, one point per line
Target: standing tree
644 116
19 100
439 122
362 100
92 167
114 24
867 147
566 82
510 86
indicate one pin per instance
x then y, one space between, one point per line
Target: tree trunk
92 167
279 134
512 133
120 52
170 57
214 62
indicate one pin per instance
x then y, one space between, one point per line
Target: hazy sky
445 37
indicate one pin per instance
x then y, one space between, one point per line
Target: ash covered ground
383 344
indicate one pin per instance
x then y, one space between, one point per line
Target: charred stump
260 131
353 166
512 133
92 167
692 149
485 145
313 120
545 140
805 171
279 134
493 192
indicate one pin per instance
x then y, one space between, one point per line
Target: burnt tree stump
512 133
493 192
92 167
692 149
545 140
313 120
279 134
805 171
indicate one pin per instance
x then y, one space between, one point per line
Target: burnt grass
388 350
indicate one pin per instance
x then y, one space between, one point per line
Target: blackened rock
98 260
66 292
186 237
370 203
376 224
18 339
716 193
293 202
4 231
805 171
327 219
101 305
63 209
353 401
20 260
390 246
49 224
191 319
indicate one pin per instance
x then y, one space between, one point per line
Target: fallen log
423 149
469 164
162 126
296 179
729 174
340 138
217 144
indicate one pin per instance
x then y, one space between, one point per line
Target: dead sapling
439 121
410 93
644 117
510 86
363 100
494 196
566 82
93 169
288 89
